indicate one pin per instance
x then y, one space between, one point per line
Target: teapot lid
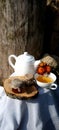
26 57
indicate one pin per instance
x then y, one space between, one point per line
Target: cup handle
10 60
53 86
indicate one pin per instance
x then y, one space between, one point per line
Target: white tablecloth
39 113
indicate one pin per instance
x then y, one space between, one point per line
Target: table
39 113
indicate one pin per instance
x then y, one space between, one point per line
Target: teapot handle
10 60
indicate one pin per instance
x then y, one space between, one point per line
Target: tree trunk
21 29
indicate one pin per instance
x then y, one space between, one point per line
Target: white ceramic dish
51 85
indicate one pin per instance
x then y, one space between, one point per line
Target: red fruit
48 69
40 70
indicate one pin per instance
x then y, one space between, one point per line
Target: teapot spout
37 62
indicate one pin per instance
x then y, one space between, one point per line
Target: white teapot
24 64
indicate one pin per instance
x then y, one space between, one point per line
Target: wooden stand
26 92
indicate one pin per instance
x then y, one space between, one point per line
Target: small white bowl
50 85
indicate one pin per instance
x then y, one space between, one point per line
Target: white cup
50 85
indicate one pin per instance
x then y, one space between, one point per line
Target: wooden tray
27 92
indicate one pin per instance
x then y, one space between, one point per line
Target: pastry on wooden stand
21 86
